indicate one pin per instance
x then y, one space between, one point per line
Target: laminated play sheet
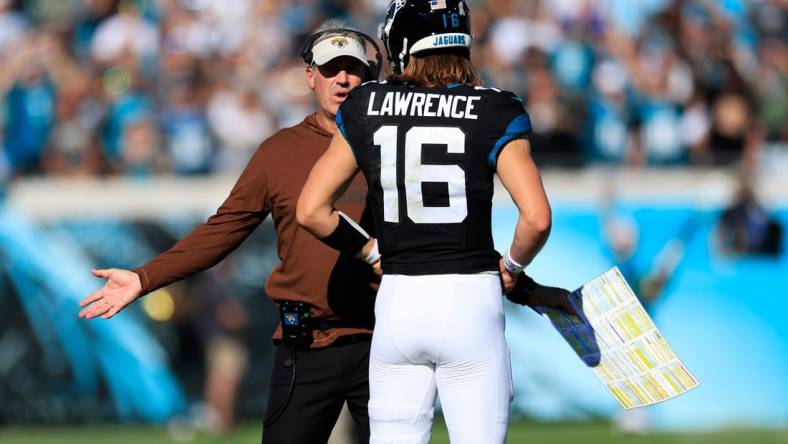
619 342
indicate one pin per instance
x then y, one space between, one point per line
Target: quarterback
429 141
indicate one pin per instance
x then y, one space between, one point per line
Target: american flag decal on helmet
437 4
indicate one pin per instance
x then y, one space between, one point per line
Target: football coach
325 299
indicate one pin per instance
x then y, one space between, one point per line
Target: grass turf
595 433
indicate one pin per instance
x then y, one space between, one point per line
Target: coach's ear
310 76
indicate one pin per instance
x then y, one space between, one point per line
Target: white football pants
439 334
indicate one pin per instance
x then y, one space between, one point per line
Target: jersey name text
424 104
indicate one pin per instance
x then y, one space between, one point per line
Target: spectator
240 122
13 27
88 18
31 109
771 90
130 104
555 123
188 138
731 127
126 33
608 125
73 147
643 84
745 227
139 145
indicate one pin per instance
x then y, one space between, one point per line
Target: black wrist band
346 238
523 290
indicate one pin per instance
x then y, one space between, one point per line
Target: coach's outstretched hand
122 287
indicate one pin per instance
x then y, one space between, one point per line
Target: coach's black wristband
346 238
523 290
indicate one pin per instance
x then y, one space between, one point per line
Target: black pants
325 379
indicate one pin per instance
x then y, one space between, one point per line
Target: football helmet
412 26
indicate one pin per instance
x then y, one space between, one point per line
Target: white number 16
417 173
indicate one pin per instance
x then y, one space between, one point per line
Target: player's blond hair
432 68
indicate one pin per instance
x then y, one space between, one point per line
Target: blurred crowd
191 87
151 87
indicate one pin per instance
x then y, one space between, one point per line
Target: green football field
518 433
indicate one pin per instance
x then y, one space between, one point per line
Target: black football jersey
429 156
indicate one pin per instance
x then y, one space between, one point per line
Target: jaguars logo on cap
339 42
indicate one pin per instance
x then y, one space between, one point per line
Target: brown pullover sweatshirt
341 288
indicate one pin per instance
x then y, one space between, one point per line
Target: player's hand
122 287
376 267
508 279
553 297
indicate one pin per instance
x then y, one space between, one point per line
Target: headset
374 67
